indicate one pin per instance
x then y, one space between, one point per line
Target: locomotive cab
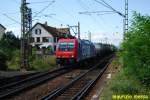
66 51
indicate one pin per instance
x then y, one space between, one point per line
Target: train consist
75 50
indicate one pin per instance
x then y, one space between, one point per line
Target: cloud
114 38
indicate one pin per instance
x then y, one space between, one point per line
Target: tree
136 48
3 59
9 43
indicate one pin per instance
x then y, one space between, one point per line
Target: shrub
136 46
3 59
124 85
14 63
43 63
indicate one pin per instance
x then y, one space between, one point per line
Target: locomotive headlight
72 56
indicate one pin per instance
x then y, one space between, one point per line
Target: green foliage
123 84
14 63
3 59
136 49
43 63
9 43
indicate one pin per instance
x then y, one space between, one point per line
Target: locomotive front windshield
66 46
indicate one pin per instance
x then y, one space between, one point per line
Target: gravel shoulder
97 90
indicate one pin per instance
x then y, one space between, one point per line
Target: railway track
8 80
80 85
8 90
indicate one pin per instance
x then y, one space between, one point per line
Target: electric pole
77 27
89 35
26 24
78 30
126 17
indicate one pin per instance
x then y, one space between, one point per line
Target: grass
123 84
14 63
43 63
36 63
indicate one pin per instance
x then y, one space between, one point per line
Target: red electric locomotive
74 50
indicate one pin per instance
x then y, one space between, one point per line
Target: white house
46 36
2 30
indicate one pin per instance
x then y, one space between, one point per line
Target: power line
88 12
105 13
51 16
44 8
102 3
39 2
66 11
110 7
84 6
15 1
12 19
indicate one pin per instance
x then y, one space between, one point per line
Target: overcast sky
103 28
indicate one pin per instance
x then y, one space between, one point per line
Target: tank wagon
74 50
103 49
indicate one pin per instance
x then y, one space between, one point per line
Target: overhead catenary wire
11 19
42 10
15 1
51 16
67 12
84 6
39 2
102 2
88 12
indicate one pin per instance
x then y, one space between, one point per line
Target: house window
38 31
55 39
50 39
45 39
38 39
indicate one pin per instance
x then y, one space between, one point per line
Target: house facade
44 36
2 30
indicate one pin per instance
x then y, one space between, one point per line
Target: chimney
46 23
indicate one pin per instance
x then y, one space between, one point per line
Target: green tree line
9 44
136 49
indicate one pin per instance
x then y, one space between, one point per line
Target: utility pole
126 17
77 28
26 24
89 35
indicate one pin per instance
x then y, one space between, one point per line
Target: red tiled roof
56 32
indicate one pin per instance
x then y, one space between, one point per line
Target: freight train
77 50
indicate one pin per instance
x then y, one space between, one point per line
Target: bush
136 46
3 59
124 84
14 63
43 63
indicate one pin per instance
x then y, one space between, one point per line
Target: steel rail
52 95
13 88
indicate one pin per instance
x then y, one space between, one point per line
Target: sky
103 27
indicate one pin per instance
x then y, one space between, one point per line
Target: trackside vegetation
10 55
134 59
9 43
136 49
